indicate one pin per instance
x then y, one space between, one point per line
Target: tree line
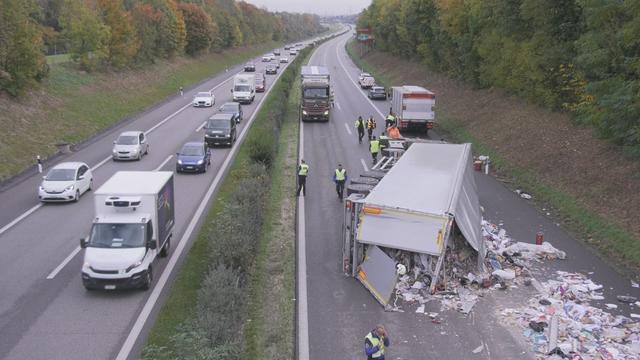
581 56
117 34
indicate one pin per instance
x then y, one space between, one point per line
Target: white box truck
413 107
244 88
133 224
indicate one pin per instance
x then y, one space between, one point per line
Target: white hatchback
66 182
130 145
204 98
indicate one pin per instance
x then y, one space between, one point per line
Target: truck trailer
413 107
133 224
315 102
426 195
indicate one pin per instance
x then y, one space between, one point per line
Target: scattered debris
626 299
478 349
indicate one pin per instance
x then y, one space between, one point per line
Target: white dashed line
163 163
64 263
347 127
364 164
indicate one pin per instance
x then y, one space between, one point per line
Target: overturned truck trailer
414 208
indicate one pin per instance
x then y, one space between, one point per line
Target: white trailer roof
314 70
415 89
135 183
429 183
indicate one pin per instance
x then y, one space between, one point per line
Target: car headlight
41 188
304 112
114 151
86 265
326 112
134 265
69 188
179 161
200 162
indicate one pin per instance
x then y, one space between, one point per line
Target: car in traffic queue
293 52
130 145
261 83
271 69
249 67
65 182
193 157
220 129
276 52
266 58
377 93
204 99
233 108
284 59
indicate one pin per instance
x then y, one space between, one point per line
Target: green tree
200 29
123 44
146 21
88 37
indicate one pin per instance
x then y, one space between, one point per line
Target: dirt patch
563 156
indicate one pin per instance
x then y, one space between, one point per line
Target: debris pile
561 323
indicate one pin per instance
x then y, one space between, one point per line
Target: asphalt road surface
339 311
45 312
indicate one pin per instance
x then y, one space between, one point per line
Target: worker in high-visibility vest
340 177
303 171
393 132
390 120
374 148
371 125
375 343
360 125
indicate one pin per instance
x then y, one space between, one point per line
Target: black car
249 67
220 129
232 108
271 69
193 157
377 93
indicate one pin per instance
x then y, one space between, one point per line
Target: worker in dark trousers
340 177
390 120
303 170
375 342
371 125
374 148
360 125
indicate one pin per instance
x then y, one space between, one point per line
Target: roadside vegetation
218 294
581 180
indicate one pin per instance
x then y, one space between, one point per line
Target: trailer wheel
165 249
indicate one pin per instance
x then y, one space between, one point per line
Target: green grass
73 105
58 59
612 242
272 290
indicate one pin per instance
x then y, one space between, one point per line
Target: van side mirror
84 243
151 244
231 90
114 142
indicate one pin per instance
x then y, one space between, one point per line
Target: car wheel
148 279
165 249
77 197
146 151
90 185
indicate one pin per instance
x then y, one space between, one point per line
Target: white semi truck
244 88
133 224
413 107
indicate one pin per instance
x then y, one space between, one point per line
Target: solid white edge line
63 263
131 339
347 127
19 218
163 163
364 165
201 126
303 316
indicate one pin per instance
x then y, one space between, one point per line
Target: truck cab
315 103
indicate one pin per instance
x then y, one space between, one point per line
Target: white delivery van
133 224
244 88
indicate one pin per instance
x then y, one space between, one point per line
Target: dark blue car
193 157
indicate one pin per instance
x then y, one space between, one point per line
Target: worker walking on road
360 126
371 125
390 120
340 177
303 170
374 147
375 342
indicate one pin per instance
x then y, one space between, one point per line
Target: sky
320 7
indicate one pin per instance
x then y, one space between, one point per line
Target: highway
45 312
336 312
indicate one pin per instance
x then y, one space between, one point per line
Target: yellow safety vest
371 124
376 342
304 170
340 174
358 124
374 146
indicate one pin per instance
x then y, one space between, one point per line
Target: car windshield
61 175
218 124
203 94
315 93
117 235
192 150
127 140
242 88
229 108
378 90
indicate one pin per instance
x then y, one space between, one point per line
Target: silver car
130 145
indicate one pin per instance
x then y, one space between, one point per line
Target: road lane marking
364 165
347 127
303 316
63 263
131 339
355 84
337 105
201 126
163 163
19 218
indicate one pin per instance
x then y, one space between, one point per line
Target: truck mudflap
378 274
